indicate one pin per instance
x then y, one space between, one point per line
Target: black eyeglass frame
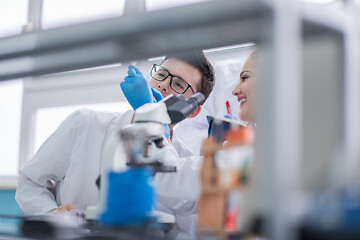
171 78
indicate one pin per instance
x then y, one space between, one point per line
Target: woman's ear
195 112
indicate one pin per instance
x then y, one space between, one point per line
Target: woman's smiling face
245 90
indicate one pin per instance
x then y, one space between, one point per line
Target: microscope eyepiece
197 99
180 108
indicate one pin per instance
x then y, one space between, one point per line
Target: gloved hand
138 92
157 95
166 131
136 88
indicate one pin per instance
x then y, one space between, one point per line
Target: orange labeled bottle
234 162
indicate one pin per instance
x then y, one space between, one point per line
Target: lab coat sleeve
48 166
185 182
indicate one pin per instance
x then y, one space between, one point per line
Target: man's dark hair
198 60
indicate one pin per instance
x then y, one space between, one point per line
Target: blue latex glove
136 88
157 95
166 131
138 92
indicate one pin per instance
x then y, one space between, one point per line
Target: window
321 1
13 16
48 119
152 5
10 111
67 12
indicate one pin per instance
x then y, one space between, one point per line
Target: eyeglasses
177 84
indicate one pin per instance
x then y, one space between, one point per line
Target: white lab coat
177 192
70 158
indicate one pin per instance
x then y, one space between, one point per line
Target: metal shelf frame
131 37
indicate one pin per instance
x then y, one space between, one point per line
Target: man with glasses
184 73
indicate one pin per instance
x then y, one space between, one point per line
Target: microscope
147 130
138 145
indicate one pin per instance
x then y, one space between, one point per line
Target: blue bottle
130 197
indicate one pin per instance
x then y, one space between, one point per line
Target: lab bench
55 227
